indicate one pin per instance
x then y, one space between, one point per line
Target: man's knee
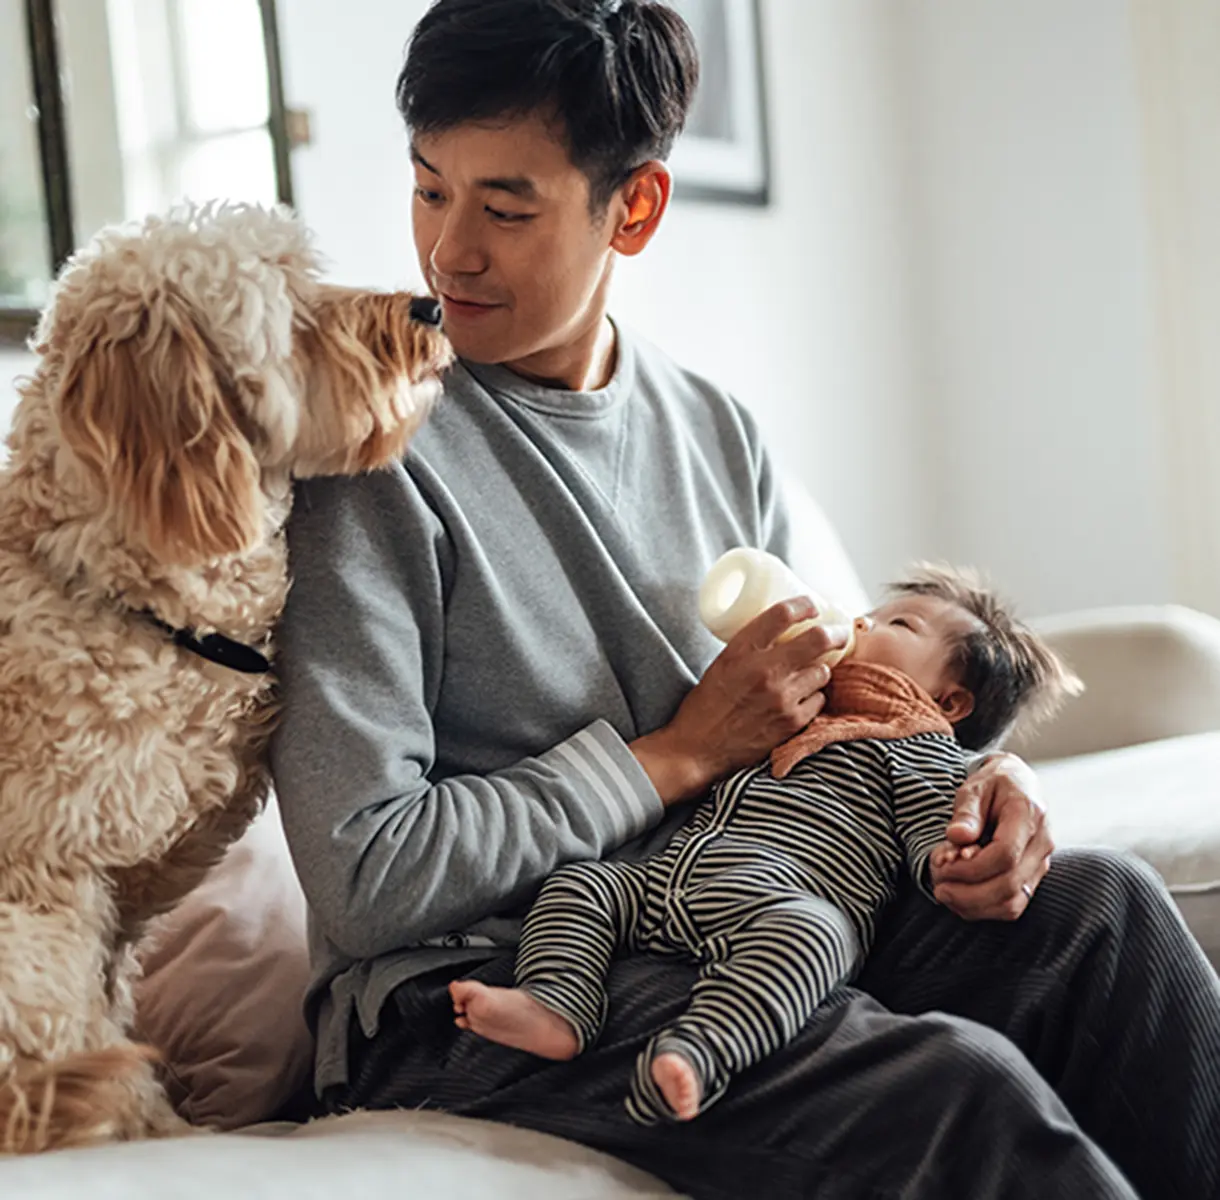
991 1118
1110 887
970 1063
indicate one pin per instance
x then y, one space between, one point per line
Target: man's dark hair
1008 669
617 76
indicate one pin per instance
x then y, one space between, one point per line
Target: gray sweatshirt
472 640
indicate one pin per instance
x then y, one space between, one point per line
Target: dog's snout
426 310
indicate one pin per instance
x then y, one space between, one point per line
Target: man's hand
950 852
994 882
757 693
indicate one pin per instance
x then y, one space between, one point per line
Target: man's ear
638 207
956 703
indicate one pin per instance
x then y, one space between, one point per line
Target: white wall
353 185
1178 50
1035 317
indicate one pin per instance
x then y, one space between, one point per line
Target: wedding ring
1029 892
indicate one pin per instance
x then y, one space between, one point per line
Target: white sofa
1134 764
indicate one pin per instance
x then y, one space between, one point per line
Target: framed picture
722 155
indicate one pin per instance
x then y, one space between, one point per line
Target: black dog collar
217 648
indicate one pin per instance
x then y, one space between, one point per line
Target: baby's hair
1010 671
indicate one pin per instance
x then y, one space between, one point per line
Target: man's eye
510 218
428 196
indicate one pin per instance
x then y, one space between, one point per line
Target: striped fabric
593 768
773 888
1073 1054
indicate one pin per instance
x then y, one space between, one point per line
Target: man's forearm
381 874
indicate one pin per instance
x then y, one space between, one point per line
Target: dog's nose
426 310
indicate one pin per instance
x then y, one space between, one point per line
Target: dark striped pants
1072 1054
767 958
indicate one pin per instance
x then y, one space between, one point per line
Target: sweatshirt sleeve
387 855
926 772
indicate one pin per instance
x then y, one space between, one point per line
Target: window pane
238 167
25 256
224 34
150 84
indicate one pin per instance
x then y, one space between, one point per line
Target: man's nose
456 250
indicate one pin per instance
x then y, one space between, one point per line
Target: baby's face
915 635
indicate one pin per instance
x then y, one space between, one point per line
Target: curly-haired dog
188 370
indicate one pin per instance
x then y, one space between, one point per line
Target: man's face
506 239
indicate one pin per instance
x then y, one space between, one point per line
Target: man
492 665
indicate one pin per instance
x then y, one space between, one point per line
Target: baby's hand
949 852
943 855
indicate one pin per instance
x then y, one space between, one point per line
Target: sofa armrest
1149 672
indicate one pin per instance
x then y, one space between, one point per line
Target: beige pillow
224 977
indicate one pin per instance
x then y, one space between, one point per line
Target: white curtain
1178 52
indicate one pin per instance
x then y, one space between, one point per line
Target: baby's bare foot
513 1018
678 1083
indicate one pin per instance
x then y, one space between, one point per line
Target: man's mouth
464 307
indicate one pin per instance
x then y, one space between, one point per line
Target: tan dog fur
188 370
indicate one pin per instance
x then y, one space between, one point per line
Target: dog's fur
188 370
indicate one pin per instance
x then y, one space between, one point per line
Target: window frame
43 47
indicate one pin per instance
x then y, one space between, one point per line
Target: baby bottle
745 582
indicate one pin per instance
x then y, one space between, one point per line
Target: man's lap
857 1055
924 960
1105 991
855 1099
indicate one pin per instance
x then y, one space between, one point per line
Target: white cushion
1160 800
403 1155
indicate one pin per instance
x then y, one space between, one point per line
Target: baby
775 884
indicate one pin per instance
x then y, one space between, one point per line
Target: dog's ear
151 418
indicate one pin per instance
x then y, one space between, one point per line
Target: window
111 109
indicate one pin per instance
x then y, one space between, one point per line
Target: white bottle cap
741 584
745 582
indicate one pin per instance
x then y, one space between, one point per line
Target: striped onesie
773 887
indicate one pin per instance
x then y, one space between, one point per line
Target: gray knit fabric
471 640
